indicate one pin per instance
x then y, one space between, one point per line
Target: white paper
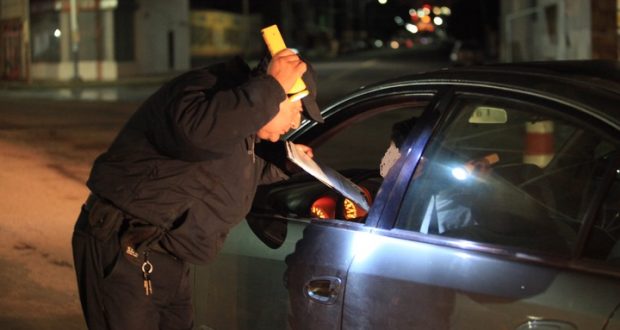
328 176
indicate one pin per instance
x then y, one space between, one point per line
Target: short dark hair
400 130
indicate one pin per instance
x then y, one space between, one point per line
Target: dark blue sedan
495 204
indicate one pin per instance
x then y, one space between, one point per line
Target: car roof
594 85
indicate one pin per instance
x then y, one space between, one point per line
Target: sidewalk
153 79
123 89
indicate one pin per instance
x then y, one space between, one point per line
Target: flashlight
479 165
275 43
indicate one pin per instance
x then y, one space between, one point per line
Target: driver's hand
482 166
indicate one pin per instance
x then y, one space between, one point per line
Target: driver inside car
447 208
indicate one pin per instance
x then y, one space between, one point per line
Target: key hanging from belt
147 269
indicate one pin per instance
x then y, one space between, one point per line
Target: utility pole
27 54
98 38
75 40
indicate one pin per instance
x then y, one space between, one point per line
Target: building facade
92 39
103 40
533 30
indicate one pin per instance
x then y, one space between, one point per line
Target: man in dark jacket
178 177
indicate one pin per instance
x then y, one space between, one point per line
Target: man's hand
286 67
305 149
291 167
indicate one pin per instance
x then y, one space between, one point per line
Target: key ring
147 267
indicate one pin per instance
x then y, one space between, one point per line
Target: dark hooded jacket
184 163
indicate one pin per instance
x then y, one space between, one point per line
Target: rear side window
506 172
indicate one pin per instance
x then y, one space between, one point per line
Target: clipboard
328 176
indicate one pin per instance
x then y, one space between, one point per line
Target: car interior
531 203
357 161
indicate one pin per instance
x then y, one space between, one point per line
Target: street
49 137
47 148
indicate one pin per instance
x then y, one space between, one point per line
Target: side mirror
278 203
270 231
488 115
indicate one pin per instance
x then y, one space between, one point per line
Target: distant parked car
502 211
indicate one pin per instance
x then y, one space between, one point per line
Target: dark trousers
112 288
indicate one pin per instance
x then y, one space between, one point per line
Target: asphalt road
49 137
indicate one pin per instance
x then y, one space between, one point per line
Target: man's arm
278 167
216 118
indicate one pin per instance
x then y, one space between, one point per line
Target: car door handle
547 325
323 289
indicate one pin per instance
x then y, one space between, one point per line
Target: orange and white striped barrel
539 143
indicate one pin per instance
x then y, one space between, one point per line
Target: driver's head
400 131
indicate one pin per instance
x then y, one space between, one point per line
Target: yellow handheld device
275 43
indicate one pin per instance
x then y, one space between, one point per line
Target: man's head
289 116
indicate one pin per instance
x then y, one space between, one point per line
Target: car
501 210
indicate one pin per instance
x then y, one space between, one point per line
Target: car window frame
339 115
352 109
389 198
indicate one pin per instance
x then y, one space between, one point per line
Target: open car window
353 142
356 150
361 144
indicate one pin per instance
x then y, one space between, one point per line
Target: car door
509 221
316 271
244 288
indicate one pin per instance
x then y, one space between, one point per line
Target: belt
84 222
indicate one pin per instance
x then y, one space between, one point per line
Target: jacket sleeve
273 155
204 122
218 120
271 174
